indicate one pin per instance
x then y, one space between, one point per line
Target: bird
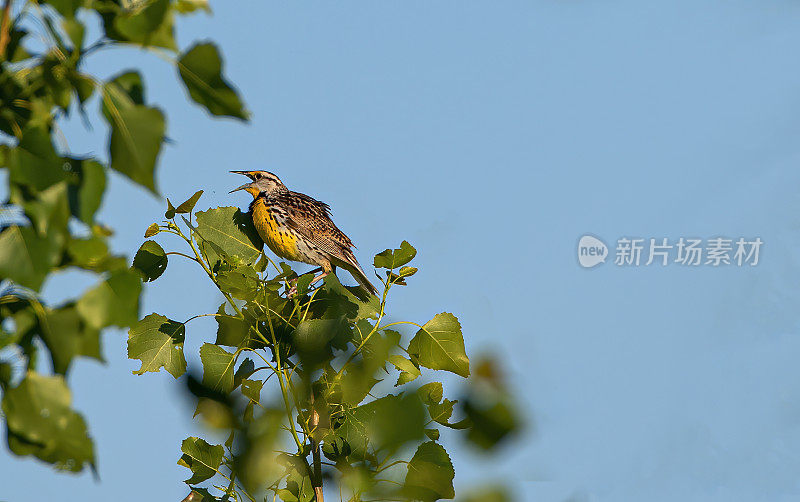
298 227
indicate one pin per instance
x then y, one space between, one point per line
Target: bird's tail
352 266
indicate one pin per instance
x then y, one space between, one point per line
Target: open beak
246 185
246 173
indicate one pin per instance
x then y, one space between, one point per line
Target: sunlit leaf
439 345
158 342
393 258
189 6
152 230
242 282
229 232
187 205
408 372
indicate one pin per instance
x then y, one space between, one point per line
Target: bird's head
260 181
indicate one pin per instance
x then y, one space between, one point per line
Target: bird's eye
258 176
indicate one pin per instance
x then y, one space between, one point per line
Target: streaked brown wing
311 218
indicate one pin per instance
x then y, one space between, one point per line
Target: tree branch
5 28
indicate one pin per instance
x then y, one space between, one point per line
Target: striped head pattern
261 182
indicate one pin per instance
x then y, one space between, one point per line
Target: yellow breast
280 240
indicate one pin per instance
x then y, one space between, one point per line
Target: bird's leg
318 277
293 289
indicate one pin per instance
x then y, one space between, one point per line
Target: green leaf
431 393
231 331
151 25
432 434
113 302
188 204
67 336
407 271
442 412
227 232
312 337
41 422
200 69
48 209
408 372
34 162
66 8
392 259
150 261
158 342
201 458
25 257
152 230
242 282
339 301
189 6
491 420
170 212
385 424
234 331
217 367
252 389
75 30
123 91
86 189
137 133
356 385
430 474
439 345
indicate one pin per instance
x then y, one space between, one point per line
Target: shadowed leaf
200 69
146 23
430 474
67 336
217 367
41 422
25 257
150 260
201 458
113 302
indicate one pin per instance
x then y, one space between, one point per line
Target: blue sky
492 136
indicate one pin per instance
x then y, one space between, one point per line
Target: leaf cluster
48 223
309 386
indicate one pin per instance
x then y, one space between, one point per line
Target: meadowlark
299 228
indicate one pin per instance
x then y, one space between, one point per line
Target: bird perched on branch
299 228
